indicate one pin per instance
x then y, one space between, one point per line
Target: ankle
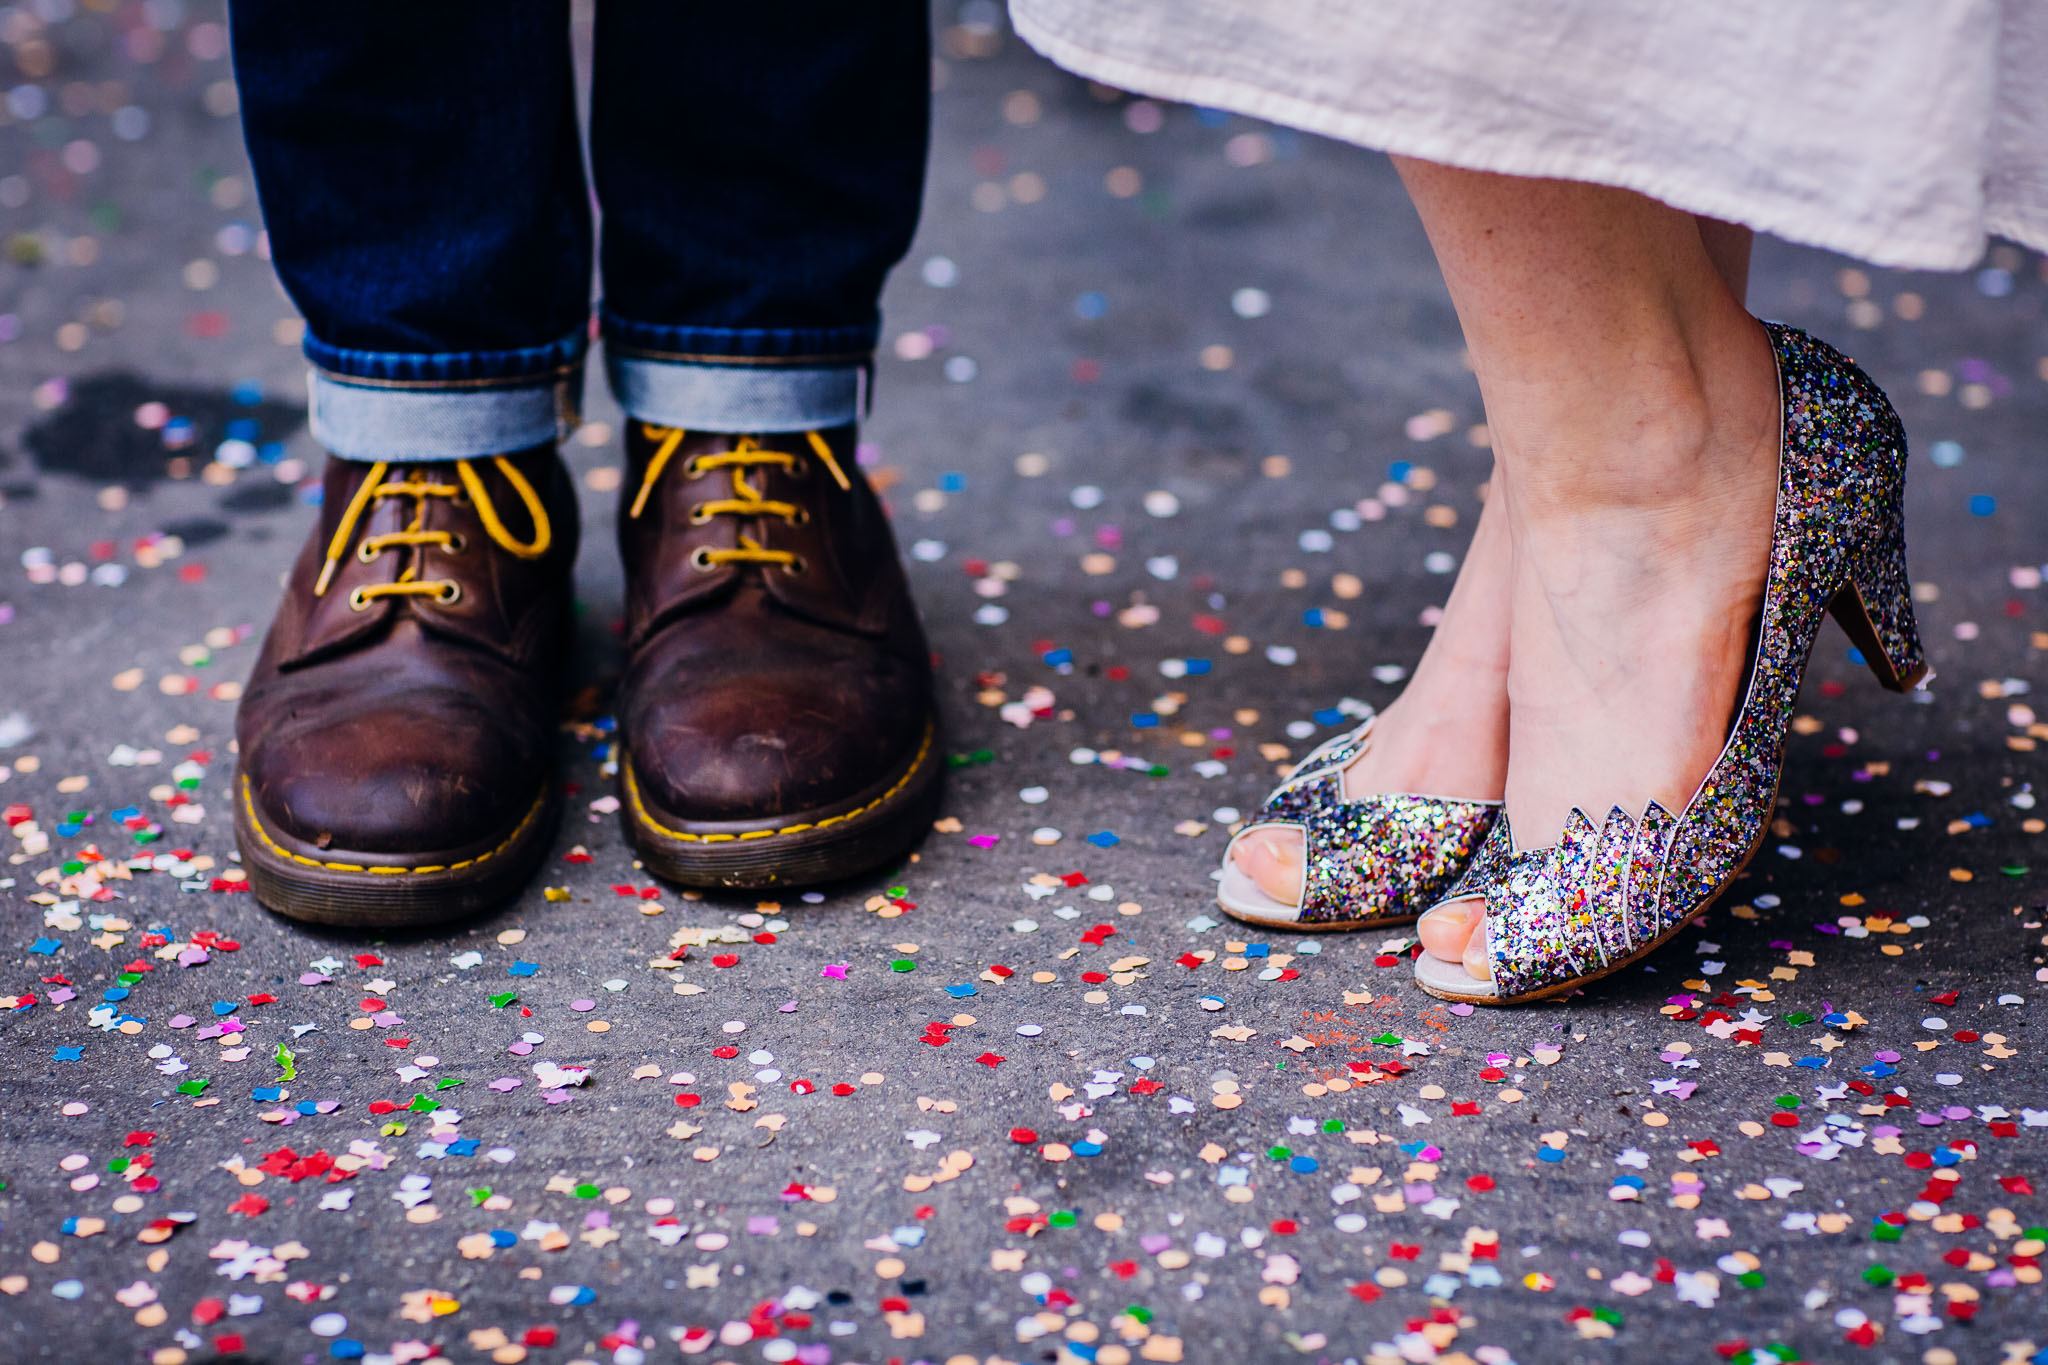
1661 423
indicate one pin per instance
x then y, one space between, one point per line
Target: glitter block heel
1609 892
1371 861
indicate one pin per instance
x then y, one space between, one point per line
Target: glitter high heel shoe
1371 861
1605 895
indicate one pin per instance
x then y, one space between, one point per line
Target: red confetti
686 1100
725 960
1023 1137
990 1060
249 1205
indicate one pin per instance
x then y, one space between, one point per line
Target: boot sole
802 848
374 891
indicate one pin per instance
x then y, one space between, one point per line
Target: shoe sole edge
804 849
315 891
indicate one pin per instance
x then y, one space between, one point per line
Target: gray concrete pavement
1174 424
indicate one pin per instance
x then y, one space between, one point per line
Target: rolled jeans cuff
735 379
366 405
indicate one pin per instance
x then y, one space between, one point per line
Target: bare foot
1633 609
1447 733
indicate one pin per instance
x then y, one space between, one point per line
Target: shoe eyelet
357 601
798 565
800 468
448 592
802 517
366 552
692 468
700 559
699 517
457 543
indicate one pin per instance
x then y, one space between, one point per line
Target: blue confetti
1329 715
1303 1165
68 1054
1057 657
223 1007
962 991
1145 720
1983 505
462 1147
522 969
501 1238
1104 839
1550 1154
114 993
45 946
1197 667
1087 1149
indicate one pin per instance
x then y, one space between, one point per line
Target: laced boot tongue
708 511
417 539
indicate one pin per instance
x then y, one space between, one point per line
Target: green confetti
478 1195
500 1001
423 1104
287 1061
193 1087
447 1083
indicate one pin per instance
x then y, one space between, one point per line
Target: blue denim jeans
760 168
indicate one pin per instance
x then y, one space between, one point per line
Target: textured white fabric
1900 131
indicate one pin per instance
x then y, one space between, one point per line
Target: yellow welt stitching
640 807
249 805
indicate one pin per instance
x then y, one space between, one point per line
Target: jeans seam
837 360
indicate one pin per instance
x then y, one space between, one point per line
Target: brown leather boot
396 736
776 715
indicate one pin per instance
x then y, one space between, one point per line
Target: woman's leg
1447 733
1634 409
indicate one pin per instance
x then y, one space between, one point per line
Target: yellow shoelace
419 485
746 500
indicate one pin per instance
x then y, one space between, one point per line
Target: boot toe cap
756 750
423 781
